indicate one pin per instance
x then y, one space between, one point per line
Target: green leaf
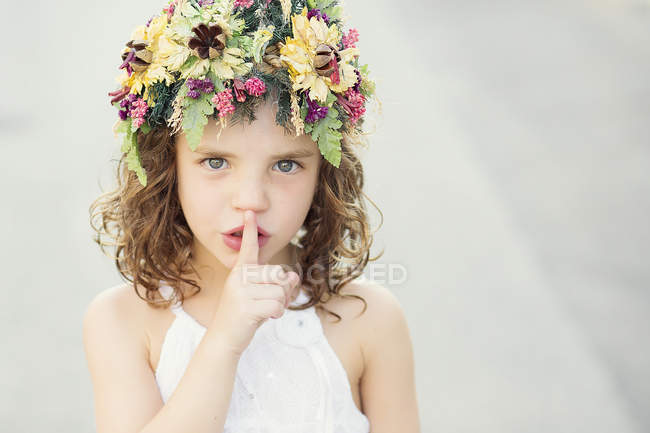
367 87
303 110
133 127
330 98
364 70
123 126
195 118
218 84
145 128
330 146
134 164
130 148
333 12
325 133
128 141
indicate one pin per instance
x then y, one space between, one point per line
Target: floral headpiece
219 58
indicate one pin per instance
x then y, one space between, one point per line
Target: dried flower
221 101
255 86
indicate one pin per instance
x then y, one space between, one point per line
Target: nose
250 193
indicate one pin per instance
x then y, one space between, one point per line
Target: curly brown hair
152 240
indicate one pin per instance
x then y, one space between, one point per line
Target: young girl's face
253 166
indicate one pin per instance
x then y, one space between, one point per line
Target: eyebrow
298 153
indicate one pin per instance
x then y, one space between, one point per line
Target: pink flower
239 87
221 101
245 4
138 110
255 86
138 121
353 104
170 9
350 39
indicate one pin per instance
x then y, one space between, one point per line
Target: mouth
239 234
239 231
233 238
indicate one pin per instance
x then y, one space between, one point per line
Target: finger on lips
249 251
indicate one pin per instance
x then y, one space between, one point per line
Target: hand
252 293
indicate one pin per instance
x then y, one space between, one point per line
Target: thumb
249 251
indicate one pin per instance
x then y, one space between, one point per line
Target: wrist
221 344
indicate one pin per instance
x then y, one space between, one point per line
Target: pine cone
323 59
271 59
210 41
142 57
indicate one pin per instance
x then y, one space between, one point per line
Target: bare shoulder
116 302
379 318
125 392
113 310
380 302
387 384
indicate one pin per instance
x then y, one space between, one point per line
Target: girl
241 244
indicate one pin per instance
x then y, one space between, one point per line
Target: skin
374 348
214 190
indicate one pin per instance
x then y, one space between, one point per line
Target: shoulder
113 312
382 323
387 384
380 303
113 300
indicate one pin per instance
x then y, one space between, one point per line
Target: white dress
289 379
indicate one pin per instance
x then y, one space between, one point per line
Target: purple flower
123 114
315 112
194 94
358 83
193 84
318 14
207 86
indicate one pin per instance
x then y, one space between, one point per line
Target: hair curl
152 240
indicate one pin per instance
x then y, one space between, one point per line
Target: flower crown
218 58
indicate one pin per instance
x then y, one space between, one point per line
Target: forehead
262 136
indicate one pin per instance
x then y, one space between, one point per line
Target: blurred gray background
510 162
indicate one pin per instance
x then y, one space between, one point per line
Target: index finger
249 251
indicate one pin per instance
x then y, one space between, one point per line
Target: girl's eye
286 164
215 163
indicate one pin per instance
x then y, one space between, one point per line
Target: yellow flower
298 54
174 52
156 71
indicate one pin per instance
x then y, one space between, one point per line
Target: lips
233 238
238 231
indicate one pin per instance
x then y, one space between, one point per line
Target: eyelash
223 159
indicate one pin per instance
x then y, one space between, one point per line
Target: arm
388 384
127 398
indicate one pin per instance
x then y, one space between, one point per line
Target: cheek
296 201
200 205
204 206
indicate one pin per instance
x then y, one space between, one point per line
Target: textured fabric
289 379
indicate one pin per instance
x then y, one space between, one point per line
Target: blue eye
286 164
216 166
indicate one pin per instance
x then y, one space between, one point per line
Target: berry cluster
222 101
